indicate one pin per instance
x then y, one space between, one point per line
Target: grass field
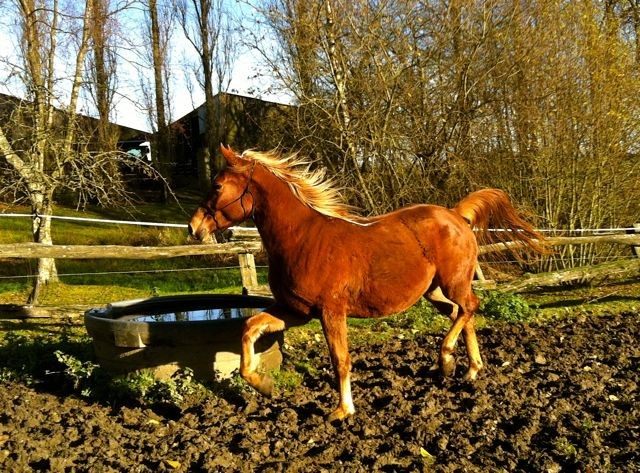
31 350
90 282
104 280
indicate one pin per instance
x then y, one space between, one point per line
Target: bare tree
160 24
206 25
45 144
378 102
102 69
419 101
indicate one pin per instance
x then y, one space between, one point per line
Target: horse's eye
217 186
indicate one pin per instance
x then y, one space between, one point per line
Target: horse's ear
229 155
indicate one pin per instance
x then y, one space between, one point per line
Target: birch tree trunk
41 200
38 49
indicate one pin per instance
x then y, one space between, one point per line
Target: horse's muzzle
202 235
198 228
191 232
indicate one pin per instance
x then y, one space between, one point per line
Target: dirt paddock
562 396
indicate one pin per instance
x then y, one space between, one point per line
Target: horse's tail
492 209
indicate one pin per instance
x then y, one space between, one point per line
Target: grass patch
71 232
104 280
613 298
58 353
504 306
28 350
287 380
113 284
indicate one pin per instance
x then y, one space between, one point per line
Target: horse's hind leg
463 323
466 325
273 319
473 351
334 326
444 305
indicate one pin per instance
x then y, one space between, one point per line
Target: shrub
131 386
142 387
79 372
504 306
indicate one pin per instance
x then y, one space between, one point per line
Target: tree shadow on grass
58 359
613 298
618 292
28 354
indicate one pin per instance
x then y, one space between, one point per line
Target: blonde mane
311 187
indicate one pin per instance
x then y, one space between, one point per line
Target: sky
128 111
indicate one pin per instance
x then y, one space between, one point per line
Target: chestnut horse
327 263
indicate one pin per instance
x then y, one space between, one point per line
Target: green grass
100 284
27 350
58 356
58 352
82 280
104 280
72 232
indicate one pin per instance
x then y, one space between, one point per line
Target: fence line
221 268
135 271
246 243
575 230
244 249
184 225
627 239
100 220
39 250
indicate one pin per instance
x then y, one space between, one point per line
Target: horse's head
230 200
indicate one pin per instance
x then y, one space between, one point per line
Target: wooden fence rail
584 274
631 240
245 242
597 273
242 243
38 250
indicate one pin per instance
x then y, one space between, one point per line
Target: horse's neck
281 218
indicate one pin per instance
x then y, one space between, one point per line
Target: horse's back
431 224
450 242
402 252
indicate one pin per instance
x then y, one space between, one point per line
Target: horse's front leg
335 332
274 319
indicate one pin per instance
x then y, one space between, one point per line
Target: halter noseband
239 198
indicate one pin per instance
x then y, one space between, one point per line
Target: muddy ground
563 396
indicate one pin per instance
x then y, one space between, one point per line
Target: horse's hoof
470 376
339 414
448 366
265 386
261 383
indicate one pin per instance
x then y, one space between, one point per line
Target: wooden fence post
248 272
636 248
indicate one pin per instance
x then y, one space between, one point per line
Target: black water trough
202 332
